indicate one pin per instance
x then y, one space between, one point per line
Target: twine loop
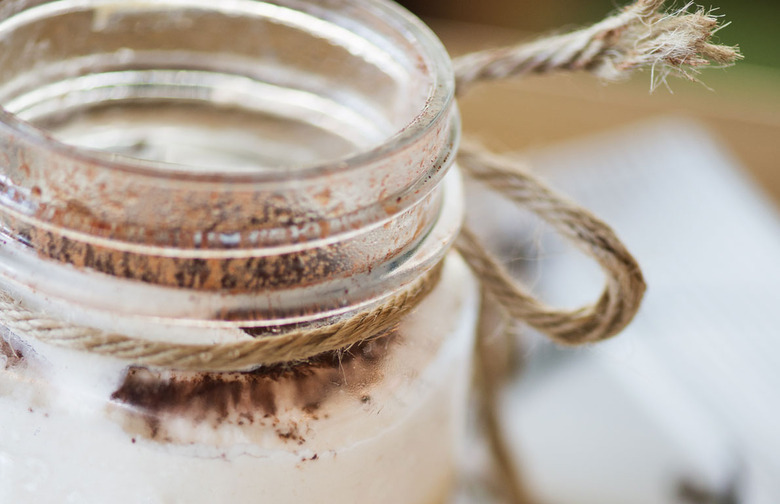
625 285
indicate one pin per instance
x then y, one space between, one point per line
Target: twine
293 346
625 286
637 36
615 308
497 356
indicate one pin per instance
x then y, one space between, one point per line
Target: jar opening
263 163
244 91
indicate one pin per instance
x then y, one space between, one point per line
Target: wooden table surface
740 105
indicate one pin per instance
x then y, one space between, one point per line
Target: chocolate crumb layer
151 401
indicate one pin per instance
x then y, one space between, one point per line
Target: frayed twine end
639 36
677 43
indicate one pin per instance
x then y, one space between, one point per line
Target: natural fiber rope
615 308
638 36
625 286
496 358
291 346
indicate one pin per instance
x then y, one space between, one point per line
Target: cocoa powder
13 356
228 274
151 400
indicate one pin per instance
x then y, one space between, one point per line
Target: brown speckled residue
13 356
151 401
224 274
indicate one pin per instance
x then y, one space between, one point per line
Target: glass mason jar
206 172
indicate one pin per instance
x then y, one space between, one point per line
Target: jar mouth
432 62
361 89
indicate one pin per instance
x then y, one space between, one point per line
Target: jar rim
440 97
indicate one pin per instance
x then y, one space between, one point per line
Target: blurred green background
754 22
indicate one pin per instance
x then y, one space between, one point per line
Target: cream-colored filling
391 439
